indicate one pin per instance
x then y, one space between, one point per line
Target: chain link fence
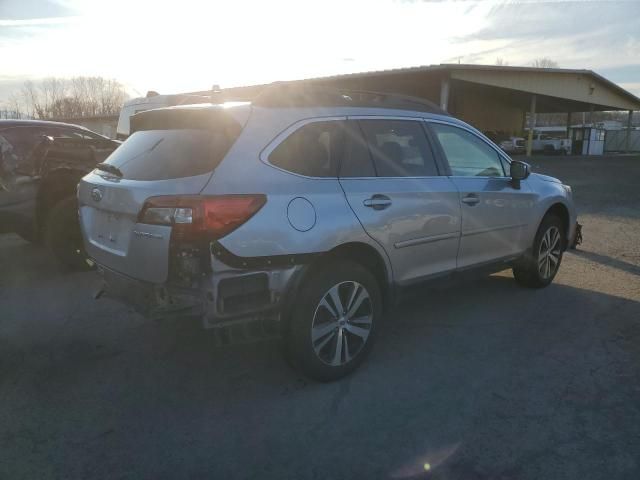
616 141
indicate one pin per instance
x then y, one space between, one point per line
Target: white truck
150 101
507 142
551 144
513 145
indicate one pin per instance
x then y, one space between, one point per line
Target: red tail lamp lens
214 216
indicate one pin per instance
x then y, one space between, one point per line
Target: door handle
471 200
377 202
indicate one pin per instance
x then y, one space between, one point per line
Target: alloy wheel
549 252
342 323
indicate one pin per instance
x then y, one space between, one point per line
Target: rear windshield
164 153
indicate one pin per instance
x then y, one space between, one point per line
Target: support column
569 124
591 115
627 141
532 124
445 86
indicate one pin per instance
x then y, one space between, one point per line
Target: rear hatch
172 152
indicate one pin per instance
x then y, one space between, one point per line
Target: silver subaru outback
312 208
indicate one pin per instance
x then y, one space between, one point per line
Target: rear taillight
191 216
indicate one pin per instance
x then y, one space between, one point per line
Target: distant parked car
40 166
313 208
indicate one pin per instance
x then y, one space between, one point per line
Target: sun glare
192 45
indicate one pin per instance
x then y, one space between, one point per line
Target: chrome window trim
284 134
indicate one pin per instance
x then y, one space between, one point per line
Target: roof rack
289 94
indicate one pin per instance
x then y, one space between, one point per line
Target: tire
62 235
342 341
537 269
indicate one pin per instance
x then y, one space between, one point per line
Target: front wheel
334 321
539 268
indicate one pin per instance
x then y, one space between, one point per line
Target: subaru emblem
96 194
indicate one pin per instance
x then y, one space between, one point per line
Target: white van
151 101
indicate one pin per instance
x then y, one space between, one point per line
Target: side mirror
519 170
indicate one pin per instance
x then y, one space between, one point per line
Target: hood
546 178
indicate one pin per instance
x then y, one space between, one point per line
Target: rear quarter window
312 150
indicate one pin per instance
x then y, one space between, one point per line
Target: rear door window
356 161
160 152
313 150
399 148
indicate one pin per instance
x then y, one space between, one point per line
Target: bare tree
501 62
31 99
14 107
544 62
72 98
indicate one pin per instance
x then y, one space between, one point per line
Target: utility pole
532 124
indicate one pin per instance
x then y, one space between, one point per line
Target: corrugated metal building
495 98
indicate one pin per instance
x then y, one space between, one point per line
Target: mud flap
577 238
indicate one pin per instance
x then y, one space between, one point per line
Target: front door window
468 155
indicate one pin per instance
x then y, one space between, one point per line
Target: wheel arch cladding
562 212
365 255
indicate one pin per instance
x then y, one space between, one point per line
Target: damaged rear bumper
222 299
148 299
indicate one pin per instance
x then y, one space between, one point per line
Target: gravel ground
483 381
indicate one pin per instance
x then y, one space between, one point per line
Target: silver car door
495 212
392 183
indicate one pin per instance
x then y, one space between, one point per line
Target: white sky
173 46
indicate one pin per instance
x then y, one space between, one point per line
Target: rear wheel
538 269
334 321
62 234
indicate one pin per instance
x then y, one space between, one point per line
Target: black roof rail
289 94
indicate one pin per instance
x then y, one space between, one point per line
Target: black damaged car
41 164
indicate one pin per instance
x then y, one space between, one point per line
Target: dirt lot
487 381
